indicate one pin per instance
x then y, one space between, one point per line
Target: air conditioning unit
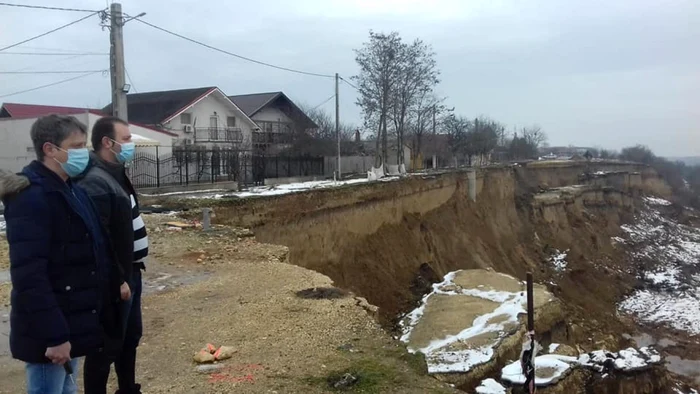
187 128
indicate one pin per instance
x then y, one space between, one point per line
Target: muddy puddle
687 368
678 365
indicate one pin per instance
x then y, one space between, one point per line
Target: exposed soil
244 296
295 332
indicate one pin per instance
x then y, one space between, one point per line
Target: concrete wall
294 179
348 164
16 149
212 105
228 186
360 164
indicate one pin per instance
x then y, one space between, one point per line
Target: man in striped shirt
106 182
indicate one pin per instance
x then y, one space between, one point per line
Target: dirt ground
225 288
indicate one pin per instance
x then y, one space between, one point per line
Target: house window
186 118
231 121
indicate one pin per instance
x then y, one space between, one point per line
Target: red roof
19 111
31 110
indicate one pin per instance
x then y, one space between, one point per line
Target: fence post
187 166
157 168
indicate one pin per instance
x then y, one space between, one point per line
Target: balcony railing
218 134
267 138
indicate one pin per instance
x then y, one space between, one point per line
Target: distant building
277 117
16 149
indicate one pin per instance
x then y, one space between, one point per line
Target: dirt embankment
388 242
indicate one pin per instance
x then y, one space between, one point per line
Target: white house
201 116
16 149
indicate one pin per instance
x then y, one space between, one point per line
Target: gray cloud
589 72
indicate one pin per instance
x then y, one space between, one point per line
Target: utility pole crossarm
116 51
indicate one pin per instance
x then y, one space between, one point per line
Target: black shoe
136 389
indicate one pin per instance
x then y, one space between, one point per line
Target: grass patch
372 377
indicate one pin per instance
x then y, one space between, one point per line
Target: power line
50 31
41 7
324 101
52 72
346 81
50 49
48 85
54 53
233 54
130 81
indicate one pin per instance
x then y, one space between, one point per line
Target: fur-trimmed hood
11 183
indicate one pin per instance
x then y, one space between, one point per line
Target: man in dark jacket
106 182
59 260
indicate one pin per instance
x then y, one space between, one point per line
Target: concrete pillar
471 177
206 219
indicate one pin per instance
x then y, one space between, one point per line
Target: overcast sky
592 73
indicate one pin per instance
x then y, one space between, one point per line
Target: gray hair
53 129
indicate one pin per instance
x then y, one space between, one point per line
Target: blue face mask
77 161
127 152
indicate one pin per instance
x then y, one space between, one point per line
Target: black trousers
97 365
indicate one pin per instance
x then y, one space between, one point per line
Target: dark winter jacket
114 208
59 265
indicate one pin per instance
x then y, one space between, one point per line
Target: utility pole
337 120
434 111
116 52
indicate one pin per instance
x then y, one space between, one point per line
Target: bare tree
322 140
534 136
484 136
458 136
379 70
417 77
429 108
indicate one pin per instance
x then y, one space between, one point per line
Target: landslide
389 246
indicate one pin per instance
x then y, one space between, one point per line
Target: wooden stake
530 304
531 332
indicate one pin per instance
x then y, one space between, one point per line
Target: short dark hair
104 127
53 129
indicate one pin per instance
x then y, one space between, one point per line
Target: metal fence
173 166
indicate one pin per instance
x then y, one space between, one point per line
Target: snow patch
680 311
558 260
657 201
550 369
669 276
553 367
619 240
553 347
673 250
490 386
440 356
